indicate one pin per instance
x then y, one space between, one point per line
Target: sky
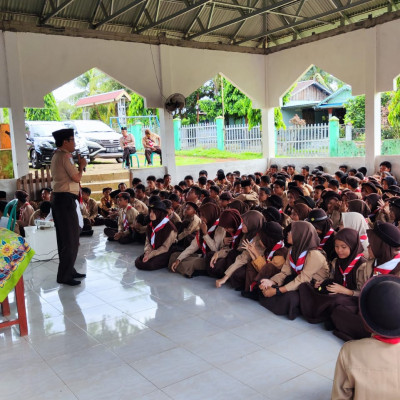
65 91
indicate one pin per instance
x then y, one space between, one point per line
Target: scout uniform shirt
130 213
151 142
62 170
129 141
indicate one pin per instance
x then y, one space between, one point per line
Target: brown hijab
302 210
373 199
382 251
254 221
270 234
211 212
352 239
230 219
359 206
305 237
239 205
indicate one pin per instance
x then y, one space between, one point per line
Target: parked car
41 144
101 133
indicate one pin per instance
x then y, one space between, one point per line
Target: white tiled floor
129 334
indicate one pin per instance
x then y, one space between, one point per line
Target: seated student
106 202
140 194
127 142
356 221
276 202
333 203
24 210
189 227
346 279
217 262
160 184
151 185
253 184
358 206
202 182
161 234
300 212
43 213
269 261
45 194
221 182
385 166
194 195
90 208
263 195
135 182
176 204
323 225
189 181
293 194
122 187
172 215
373 203
136 203
265 181
224 200
303 264
278 189
191 262
248 195
368 369
394 211
236 272
152 144
300 182
343 168
384 259
126 220
237 189
167 183
214 193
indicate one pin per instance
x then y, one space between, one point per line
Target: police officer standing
66 178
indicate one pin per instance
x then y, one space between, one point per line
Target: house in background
315 103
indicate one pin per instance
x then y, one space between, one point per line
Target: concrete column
17 114
372 104
167 141
268 133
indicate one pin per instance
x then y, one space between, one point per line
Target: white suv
101 133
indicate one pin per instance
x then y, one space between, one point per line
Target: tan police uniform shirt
128 141
62 170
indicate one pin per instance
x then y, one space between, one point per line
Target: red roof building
110 97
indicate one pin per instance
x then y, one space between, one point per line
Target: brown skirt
221 265
157 262
348 322
238 278
285 304
316 307
189 266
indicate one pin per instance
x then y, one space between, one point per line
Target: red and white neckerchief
349 268
280 211
203 246
150 143
156 229
363 238
235 236
22 209
387 267
386 340
125 218
325 238
277 246
299 263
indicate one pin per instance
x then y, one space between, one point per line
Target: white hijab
356 221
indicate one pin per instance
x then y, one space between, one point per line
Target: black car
41 144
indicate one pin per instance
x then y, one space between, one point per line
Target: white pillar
268 133
167 141
372 105
17 114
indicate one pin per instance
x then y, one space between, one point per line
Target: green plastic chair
11 212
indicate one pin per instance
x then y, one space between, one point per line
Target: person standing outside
152 144
66 188
127 142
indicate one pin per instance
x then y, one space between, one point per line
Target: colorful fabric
325 239
298 267
387 267
349 268
15 255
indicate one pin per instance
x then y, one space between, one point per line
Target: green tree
48 113
324 78
394 110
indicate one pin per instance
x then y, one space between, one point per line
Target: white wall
330 164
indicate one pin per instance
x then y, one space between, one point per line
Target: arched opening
219 123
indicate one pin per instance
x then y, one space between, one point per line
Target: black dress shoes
71 282
78 275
